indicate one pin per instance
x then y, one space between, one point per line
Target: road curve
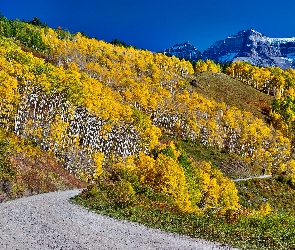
50 221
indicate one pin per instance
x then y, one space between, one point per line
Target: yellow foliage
98 159
153 133
105 130
85 177
208 65
175 151
141 77
206 189
218 191
290 169
265 209
145 168
173 182
58 130
126 164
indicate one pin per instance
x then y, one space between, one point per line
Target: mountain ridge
247 46
183 50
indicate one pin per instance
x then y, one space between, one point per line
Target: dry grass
223 88
28 175
43 173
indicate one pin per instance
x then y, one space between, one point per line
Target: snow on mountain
249 46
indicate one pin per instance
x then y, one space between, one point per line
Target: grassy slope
223 88
277 193
230 164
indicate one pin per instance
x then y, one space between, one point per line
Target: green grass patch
280 195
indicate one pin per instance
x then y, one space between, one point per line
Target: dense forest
131 124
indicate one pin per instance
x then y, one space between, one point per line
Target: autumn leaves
97 106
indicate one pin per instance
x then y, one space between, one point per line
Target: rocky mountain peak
183 50
247 45
251 32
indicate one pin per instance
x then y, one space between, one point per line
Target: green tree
37 22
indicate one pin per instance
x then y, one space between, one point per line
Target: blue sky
156 25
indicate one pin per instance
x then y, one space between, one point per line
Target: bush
119 194
122 194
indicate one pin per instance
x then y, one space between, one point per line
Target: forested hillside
128 121
273 81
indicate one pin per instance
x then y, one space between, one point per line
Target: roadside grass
239 229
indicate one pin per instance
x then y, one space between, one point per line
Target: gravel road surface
50 221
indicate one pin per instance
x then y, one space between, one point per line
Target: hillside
151 146
26 170
225 89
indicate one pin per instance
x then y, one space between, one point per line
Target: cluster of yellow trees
273 81
193 187
143 79
65 110
88 125
152 84
96 106
207 65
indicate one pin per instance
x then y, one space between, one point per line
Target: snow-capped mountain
184 50
254 47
